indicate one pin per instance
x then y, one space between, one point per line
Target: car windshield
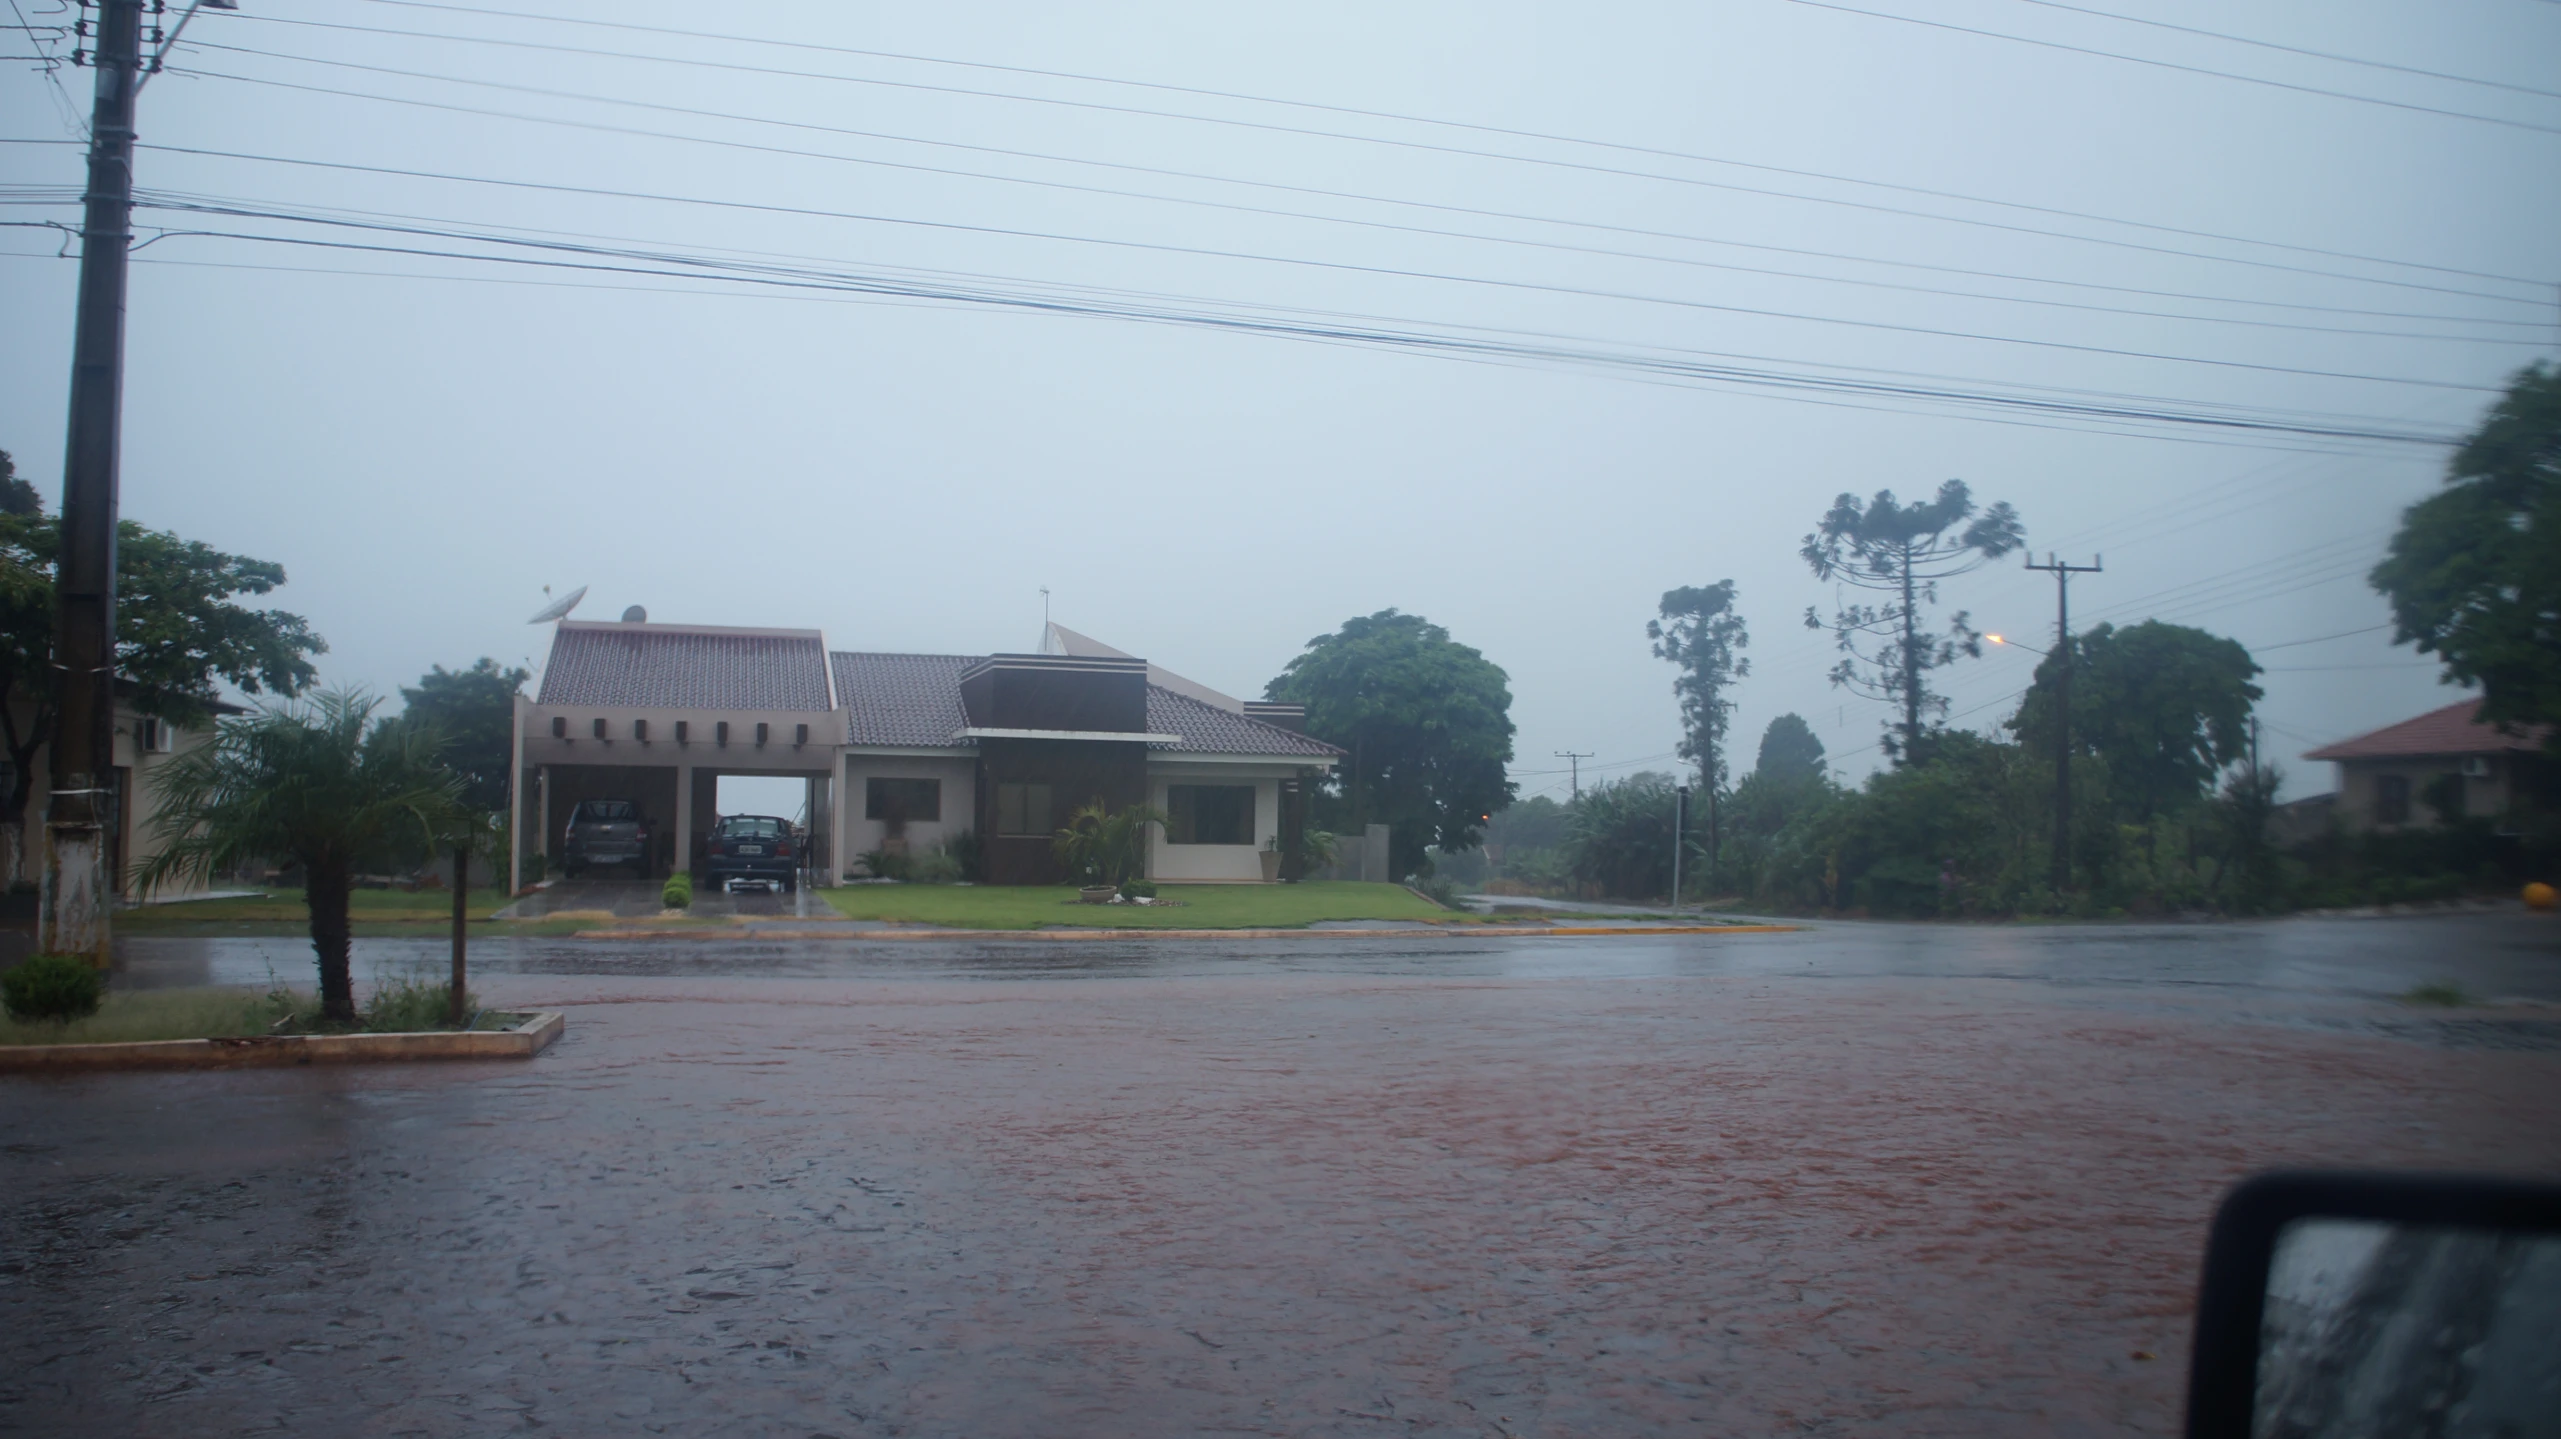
611 811
753 828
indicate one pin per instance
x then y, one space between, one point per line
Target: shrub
678 893
56 987
934 866
964 851
1137 889
1102 846
1439 888
886 863
409 1006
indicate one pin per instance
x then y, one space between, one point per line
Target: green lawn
1196 906
125 1017
372 911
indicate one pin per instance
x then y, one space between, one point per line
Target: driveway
1883 1179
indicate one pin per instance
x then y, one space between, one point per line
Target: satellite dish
635 616
559 609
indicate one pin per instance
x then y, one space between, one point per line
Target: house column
542 817
516 799
837 790
1293 828
684 860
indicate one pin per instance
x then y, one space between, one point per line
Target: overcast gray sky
1788 188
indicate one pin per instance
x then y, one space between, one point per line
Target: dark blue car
752 848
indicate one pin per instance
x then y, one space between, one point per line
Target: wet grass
2443 994
371 913
130 1016
1196 906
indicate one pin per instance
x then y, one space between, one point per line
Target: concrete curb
1488 931
263 1051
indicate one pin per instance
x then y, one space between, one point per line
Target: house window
2391 799
1210 813
901 800
1023 809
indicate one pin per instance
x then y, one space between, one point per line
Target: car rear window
752 828
612 810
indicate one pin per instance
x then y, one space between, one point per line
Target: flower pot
1271 859
1097 894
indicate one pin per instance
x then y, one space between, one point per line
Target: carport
656 714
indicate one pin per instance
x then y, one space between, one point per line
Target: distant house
144 746
2447 762
905 751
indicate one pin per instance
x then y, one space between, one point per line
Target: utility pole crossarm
2063 570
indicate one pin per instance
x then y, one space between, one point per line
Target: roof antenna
1044 619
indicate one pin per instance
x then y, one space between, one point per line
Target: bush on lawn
55 987
885 864
1138 889
410 1006
679 891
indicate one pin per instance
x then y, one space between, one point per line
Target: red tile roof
2453 730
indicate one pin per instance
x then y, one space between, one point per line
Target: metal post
462 917
1680 822
2063 573
73 916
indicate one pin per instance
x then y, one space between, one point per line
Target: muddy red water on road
1368 1196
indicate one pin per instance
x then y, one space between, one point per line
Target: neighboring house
2402 776
904 751
144 746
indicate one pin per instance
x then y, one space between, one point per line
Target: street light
2014 644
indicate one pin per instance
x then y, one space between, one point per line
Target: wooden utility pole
79 893
462 922
2063 571
1574 767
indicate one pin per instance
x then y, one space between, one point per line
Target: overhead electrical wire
1405 118
2188 69
2295 49
1522 159
1631 297
811 212
1460 346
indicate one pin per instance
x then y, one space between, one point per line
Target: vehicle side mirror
2340 1303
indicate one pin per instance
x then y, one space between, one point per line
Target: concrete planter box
523 1041
1097 894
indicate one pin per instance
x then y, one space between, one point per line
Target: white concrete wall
960 802
1176 862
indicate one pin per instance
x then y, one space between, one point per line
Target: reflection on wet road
1889 1179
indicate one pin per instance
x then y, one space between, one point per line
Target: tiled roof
1208 729
903 700
680 667
2453 730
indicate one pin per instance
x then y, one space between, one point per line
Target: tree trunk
325 890
1911 666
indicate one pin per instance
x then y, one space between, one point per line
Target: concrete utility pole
79 894
2063 572
1574 767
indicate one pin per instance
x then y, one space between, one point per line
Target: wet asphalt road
1863 1179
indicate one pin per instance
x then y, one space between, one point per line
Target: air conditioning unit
153 735
2476 766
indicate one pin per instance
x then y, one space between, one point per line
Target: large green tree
1789 751
2167 707
1903 552
180 628
474 711
1700 631
1427 725
2474 574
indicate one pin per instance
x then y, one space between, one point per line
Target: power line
2187 69
2296 49
1482 154
805 211
1404 118
1395 273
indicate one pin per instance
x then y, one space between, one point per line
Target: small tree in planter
319 783
1104 850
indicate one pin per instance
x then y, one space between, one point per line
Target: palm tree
1099 846
318 782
